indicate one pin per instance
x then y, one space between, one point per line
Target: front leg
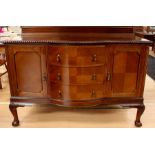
140 111
13 109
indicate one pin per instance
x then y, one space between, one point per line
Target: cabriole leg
140 111
13 110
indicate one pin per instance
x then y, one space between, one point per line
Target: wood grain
45 117
59 72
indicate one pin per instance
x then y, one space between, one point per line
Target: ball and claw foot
140 111
15 123
13 110
138 124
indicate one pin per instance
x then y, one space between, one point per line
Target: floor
152 53
151 67
42 117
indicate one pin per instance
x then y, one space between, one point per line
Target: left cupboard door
27 70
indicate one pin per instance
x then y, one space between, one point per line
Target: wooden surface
30 72
33 67
77 32
75 69
123 71
29 65
44 117
77 29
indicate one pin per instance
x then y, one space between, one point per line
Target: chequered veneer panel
80 75
125 71
80 92
77 55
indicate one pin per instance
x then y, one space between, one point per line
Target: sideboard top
69 42
79 35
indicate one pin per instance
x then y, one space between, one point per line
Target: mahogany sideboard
77 73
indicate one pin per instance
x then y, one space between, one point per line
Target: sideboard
77 73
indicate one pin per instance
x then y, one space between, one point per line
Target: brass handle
108 76
94 58
93 93
60 94
94 76
58 58
58 76
44 78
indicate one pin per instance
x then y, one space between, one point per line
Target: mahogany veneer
77 73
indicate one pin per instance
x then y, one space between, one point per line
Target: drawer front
71 92
77 75
77 55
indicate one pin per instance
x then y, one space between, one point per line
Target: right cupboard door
128 70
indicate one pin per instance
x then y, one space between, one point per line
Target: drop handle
58 58
93 93
94 76
44 77
58 76
94 58
108 76
60 94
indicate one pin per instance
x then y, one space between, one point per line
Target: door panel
29 68
126 70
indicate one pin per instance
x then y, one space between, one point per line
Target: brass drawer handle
58 76
58 58
94 76
94 58
93 93
44 77
108 76
60 94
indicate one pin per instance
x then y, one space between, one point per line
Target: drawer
74 92
77 55
78 75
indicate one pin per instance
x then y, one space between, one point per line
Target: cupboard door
128 70
28 67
